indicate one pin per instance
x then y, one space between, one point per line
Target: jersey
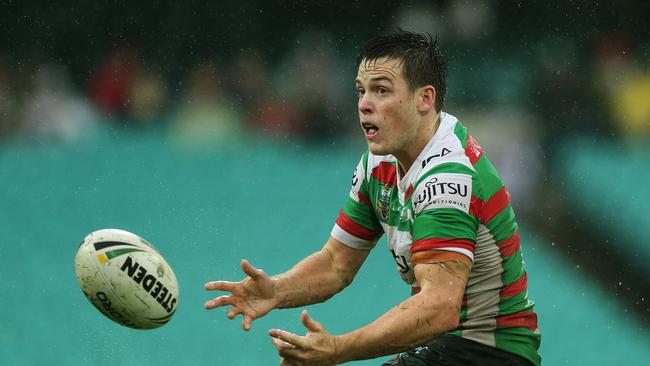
452 199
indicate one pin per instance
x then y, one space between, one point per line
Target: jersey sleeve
442 202
357 225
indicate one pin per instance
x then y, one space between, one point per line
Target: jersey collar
447 123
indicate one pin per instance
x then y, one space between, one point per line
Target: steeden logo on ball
126 279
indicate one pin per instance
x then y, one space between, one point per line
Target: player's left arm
417 320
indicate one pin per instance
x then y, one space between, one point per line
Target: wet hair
420 57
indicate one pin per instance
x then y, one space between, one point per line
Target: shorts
452 350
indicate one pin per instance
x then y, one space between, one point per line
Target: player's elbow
346 279
440 319
342 274
450 313
445 310
449 319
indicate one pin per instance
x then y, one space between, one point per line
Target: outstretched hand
253 297
316 348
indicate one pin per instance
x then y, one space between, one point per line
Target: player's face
387 110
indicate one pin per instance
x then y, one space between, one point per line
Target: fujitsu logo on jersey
433 188
438 192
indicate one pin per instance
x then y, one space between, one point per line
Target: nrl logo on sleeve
444 190
355 177
383 201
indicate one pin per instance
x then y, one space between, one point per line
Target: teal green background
206 208
614 192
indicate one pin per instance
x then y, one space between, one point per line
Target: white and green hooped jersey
451 199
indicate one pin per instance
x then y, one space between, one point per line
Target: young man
426 183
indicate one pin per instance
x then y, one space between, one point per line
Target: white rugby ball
126 279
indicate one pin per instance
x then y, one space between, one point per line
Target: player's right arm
328 271
314 279
319 276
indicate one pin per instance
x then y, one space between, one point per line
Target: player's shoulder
446 175
447 152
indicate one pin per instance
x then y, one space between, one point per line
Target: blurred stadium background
221 131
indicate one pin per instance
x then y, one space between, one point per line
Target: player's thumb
309 323
251 271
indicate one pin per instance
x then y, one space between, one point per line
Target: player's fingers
309 322
219 301
246 322
289 362
287 337
288 352
233 312
251 271
221 286
281 345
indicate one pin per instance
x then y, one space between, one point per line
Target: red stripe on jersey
464 303
516 287
473 150
476 207
431 243
509 246
349 225
363 198
408 193
526 319
415 290
386 173
494 205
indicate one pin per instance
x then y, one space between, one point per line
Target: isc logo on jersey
126 279
443 190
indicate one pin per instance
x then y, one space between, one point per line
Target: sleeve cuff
350 240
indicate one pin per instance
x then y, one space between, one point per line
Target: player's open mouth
370 129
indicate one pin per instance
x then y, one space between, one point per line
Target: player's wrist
342 347
276 299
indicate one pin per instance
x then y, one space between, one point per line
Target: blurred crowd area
219 98
523 77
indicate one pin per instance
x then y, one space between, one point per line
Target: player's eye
360 92
381 90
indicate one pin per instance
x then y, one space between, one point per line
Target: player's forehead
383 68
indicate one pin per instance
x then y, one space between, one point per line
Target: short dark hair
420 55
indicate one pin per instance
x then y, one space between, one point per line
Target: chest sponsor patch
443 190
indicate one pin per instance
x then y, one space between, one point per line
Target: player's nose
365 105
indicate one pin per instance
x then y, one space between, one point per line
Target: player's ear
426 98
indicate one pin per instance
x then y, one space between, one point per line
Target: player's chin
378 148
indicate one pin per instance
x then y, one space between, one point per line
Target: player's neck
406 158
